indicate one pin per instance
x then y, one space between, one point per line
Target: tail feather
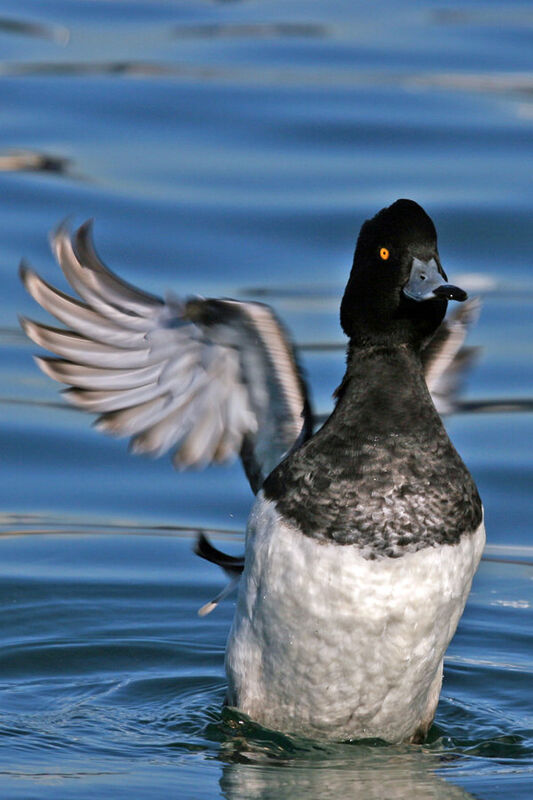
232 566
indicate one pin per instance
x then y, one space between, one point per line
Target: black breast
382 473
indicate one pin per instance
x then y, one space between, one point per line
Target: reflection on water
514 16
308 76
404 776
31 161
468 82
257 30
136 69
56 33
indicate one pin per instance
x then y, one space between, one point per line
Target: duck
366 532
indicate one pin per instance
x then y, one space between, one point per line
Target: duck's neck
384 390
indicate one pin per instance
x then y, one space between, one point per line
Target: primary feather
206 379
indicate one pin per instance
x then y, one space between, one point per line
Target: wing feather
445 358
75 347
94 378
206 379
104 282
131 421
78 316
85 282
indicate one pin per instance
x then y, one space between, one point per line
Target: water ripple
57 33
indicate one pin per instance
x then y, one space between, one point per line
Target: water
235 149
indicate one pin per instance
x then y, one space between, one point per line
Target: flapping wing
446 360
205 379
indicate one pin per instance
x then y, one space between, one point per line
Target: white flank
328 644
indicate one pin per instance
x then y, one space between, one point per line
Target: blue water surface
235 148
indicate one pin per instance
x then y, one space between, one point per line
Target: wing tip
201 545
105 423
33 283
46 365
31 328
25 271
83 235
138 446
207 608
469 311
58 235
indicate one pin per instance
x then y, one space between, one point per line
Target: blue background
235 148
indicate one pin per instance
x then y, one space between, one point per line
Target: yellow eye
384 253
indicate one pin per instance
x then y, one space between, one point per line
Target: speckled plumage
381 474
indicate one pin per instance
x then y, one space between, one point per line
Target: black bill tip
450 292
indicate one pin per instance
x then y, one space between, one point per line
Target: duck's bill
426 282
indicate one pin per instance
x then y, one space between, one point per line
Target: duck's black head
397 291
